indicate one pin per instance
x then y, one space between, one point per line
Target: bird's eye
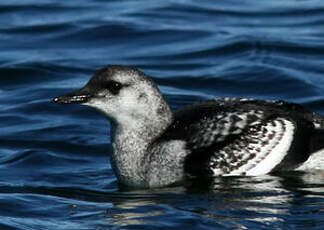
114 87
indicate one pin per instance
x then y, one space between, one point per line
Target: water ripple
54 167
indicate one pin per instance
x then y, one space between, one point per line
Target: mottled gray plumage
155 147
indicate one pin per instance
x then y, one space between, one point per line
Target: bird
154 146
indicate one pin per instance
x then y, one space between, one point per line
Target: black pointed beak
78 97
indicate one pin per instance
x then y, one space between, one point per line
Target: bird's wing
241 137
216 128
246 146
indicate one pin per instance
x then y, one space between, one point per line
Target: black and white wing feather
258 151
230 138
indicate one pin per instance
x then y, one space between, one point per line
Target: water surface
54 165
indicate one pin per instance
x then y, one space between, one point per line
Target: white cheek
129 104
115 106
103 104
129 101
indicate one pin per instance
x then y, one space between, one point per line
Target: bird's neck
131 141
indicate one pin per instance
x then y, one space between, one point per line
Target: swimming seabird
155 147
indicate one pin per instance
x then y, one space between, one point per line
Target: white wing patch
255 152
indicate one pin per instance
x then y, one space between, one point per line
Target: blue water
54 159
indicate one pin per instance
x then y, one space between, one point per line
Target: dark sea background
54 160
